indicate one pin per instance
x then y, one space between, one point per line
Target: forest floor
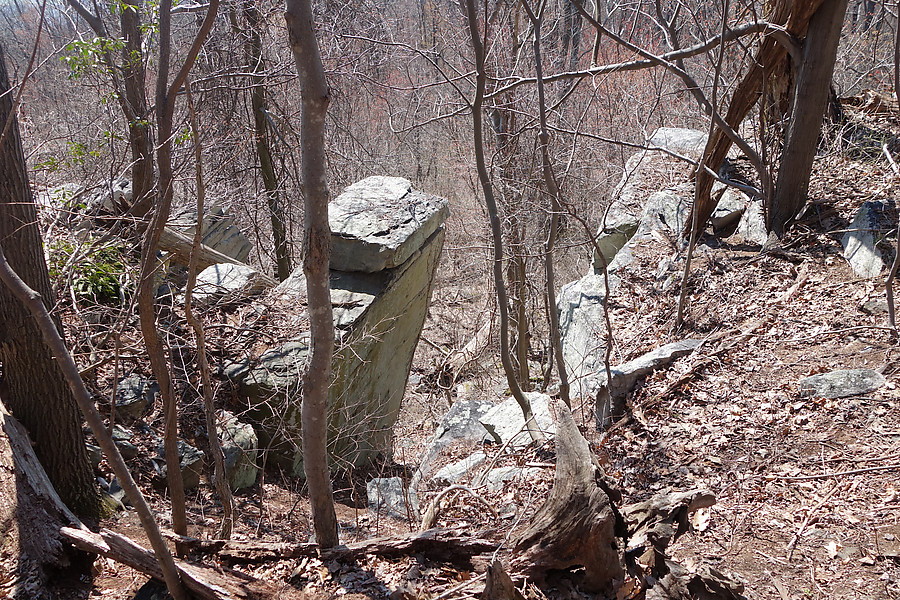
807 489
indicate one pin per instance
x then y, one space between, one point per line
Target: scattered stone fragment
95 455
752 227
192 462
388 497
506 422
729 212
456 471
134 396
842 383
463 422
241 447
228 281
875 307
611 397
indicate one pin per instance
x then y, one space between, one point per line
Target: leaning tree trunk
316 259
770 54
810 98
32 385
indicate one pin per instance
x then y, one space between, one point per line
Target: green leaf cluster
99 276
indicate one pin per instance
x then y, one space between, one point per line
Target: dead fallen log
578 525
204 582
180 245
442 544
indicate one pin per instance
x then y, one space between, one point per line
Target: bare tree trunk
134 105
32 385
165 109
215 445
770 53
258 104
519 303
497 234
34 354
316 259
810 97
131 93
555 207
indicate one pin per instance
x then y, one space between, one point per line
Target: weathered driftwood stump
652 526
656 523
578 524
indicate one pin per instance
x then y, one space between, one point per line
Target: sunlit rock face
387 240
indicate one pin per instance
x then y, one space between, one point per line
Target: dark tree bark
316 258
32 385
810 98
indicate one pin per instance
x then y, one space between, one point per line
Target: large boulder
378 317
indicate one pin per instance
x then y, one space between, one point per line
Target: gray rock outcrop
241 448
869 227
379 222
626 210
191 460
378 317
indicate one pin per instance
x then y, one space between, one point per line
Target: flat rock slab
626 375
456 471
842 383
506 423
379 222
